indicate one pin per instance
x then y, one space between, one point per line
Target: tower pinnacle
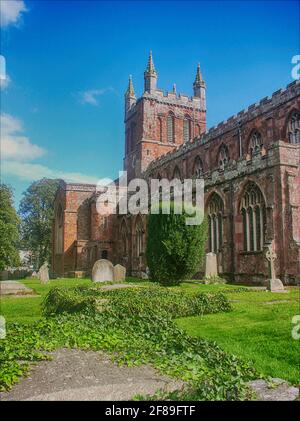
200 88
150 76
130 98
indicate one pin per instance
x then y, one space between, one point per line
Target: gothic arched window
139 232
255 143
254 218
170 128
186 129
293 129
198 168
215 223
223 157
159 129
176 173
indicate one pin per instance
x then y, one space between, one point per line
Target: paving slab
279 391
74 374
14 288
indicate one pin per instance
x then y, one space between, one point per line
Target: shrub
60 300
174 250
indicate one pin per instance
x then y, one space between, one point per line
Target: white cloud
91 96
4 82
32 172
14 145
11 11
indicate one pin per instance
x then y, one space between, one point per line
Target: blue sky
68 64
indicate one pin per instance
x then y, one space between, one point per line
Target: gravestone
119 273
103 270
34 275
274 284
43 273
211 268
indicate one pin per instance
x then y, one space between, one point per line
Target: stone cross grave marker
274 284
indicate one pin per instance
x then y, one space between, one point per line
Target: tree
174 250
36 211
9 229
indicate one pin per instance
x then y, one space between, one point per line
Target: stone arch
176 172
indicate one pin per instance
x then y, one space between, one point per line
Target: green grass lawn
24 309
255 330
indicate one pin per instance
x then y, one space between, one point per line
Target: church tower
159 121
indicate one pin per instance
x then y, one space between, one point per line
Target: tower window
159 129
170 128
186 129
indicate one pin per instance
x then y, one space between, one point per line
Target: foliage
36 211
133 302
60 300
214 279
175 250
135 328
9 234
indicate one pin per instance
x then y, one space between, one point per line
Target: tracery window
223 157
254 218
293 128
255 143
198 168
186 129
215 223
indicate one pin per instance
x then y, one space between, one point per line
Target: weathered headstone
43 273
211 267
274 284
119 273
103 270
34 275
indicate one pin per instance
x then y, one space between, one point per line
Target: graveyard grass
257 330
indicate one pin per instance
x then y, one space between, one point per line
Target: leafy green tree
36 211
9 232
174 250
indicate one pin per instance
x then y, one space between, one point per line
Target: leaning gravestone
274 284
119 273
103 270
211 268
43 273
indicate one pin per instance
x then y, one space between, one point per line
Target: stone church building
251 168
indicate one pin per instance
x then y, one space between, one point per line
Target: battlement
263 106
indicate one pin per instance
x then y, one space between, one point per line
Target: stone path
14 288
281 391
87 375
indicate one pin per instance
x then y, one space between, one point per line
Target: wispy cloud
11 12
31 172
14 145
91 96
17 151
4 81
